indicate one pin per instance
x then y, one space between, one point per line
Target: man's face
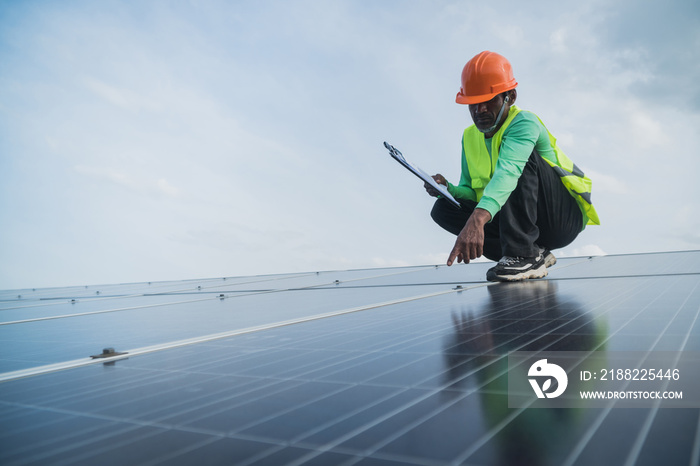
484 114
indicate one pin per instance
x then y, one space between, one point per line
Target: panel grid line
585 439
646 427
487 437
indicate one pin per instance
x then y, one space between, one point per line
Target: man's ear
512 95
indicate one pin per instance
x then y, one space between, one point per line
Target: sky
168 140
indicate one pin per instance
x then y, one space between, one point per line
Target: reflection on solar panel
381 366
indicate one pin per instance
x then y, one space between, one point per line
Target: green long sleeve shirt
524 134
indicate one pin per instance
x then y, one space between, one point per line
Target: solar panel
376 366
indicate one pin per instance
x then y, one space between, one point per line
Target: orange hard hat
484 77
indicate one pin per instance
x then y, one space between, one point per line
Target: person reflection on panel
520 316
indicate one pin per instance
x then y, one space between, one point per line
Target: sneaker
510 269
549 259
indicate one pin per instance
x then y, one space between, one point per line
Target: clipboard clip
394 151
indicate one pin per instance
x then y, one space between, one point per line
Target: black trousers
540 212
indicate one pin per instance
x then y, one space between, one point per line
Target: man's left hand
470 242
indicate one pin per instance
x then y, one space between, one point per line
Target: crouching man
521 196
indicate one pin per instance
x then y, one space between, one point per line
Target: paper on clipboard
398 156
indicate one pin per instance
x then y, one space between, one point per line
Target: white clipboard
398 156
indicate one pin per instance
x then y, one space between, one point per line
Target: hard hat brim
474 99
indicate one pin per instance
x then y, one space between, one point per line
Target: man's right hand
439 179
470 241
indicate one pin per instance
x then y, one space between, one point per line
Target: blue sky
157 140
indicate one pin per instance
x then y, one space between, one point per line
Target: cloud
558 39
646 130
133 182
384 262
167 188
691 239
686 218
122 98
668 44
610 184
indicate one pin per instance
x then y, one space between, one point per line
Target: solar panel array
378 366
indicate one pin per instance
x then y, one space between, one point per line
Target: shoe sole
550 260
539 272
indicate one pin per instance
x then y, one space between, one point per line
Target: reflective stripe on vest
482 165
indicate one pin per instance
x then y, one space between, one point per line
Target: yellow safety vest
482 165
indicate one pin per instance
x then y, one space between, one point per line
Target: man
521 196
